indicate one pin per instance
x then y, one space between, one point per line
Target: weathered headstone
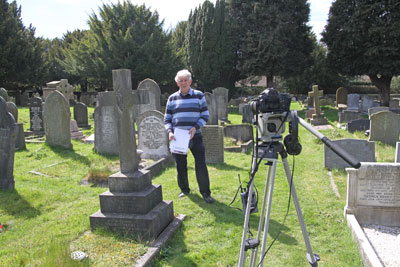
310 102
348 115
374 110
310 112
132 205
317 118
20 137
239 132
358 125
105 124
7 139
213 137
75 132
362 150
353 102
62 85
397 154
81 115
13 109
4 94
247 116
36 115
341 98
385 127
212 108
221 97
57 118
394 104
367 102
152 137
24 100
155 95
373 193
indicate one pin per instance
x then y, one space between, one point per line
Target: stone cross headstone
105 125
57 118
362 150
7 143
81 115
152 137
367 102
63 86
13 109
36 115
4 94
358 125
317 118
221 97
155 95
385 127
373 193
353 102
341 97
212 109
213 137
122 85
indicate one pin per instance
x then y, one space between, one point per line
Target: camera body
270 100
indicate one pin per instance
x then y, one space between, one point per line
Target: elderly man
187 109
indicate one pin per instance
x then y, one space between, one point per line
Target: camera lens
271 127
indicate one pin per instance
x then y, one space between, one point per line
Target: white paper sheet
181 143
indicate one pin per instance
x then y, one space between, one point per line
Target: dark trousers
197 148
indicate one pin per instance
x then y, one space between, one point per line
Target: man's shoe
208 199
182 194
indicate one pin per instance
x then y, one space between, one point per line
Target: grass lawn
47 216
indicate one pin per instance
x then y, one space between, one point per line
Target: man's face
184 84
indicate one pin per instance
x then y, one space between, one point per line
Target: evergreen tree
211 54
363 38
274 37
178 42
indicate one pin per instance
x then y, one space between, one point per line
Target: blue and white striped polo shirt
186 111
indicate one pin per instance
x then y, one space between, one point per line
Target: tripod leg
242 254
310 255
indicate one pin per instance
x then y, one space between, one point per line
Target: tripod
269 151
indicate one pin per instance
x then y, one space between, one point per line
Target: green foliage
178 42
274 37
20 51
363 37
210 46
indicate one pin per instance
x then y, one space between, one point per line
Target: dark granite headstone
81 115
358 125
36 115
7 143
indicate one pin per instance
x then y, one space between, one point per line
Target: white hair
183 73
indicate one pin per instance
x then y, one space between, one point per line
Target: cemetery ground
46 217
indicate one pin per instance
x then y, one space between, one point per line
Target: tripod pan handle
342 153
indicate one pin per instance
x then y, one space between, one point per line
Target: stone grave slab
247 114
373 193
361 150
353 102
213 138
20 137
385 127
212 108
221 97
348 115
358 125
81 115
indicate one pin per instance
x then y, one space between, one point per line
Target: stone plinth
318 119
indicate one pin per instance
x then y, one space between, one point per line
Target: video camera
271 101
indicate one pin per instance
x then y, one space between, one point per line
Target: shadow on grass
14 204
227 167
225 214
70 154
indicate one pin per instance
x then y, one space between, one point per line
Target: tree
178 41
363 38
210 46
274 37
20 52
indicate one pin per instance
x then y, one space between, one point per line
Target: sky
53 18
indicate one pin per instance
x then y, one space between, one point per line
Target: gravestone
213 138
221 97
24 100
152 137
341 98
374 110
155 95
310 102
397 154
105 125
247 116
12 108
63 86
75 132
81 115
4 94
239 132
362 150
212 109
327 101
132 205
7 143
373 193
348 115
358 125
57 118
310 112
385 127
367 102
20 137
353 102
317 118
394 104
36 115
